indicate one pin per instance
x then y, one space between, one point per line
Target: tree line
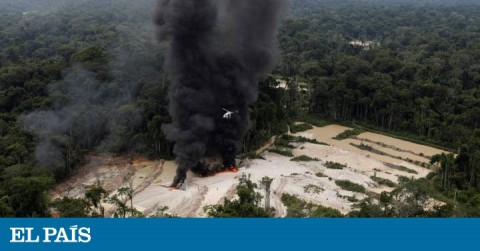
407 69
84 79
98 69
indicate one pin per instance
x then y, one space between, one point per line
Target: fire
232 169
214 171
229 169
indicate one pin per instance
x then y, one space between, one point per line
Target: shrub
383 182
284 152
334 165
431 175
401 168
403 179
310 188
350 186
352 199
371 149
283 141
363 147
313 141
247 204
286 140
317 122
304 158
328 212
348 133
299 208
300 127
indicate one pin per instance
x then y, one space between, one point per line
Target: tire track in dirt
197 201
148 181
229 195
280 209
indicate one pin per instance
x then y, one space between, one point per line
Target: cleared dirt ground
149 177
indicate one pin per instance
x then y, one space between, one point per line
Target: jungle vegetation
413 70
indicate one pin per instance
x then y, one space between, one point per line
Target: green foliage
366 209
334 165
286 140
412 198
401 168
93 59
350 186
266 184
310 188
316 122
28 195
448 169
268 115
313 141
281 151
383 182
347 134
6 209
431 175
121 198
352 198
419 79
35 56
247 204
71 208
94 196
364 147
162 213
320 174
411 81
122 209
304 158
298 208
325 212
97 64
90 205
300 127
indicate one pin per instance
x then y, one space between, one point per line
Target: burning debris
205 169
218 51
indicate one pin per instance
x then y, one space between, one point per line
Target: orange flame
173 187
232 169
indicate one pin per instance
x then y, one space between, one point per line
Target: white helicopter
229 114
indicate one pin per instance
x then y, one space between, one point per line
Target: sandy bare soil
419 149
326 134
149 177
289 177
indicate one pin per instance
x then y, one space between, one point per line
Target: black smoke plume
218 51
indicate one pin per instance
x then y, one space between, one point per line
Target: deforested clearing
149 177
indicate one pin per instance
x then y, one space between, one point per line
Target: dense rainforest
86 76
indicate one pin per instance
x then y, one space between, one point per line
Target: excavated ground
149 177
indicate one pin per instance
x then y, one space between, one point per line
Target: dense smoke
86 112
83 114
218 51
